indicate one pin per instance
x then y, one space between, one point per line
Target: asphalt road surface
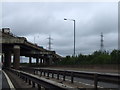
0 76
0 79
91 82
87 82
5 84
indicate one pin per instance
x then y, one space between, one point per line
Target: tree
115 56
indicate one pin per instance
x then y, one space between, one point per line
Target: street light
74 32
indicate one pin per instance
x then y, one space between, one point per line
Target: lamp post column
74 38
74 34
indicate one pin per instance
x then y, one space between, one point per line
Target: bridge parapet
11 41
7 37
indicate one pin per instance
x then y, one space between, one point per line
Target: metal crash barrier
38 82
96 77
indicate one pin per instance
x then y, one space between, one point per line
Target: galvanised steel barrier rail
38 82
110 78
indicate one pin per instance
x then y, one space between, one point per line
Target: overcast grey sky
42 19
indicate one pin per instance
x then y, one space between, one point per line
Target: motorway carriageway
5 82
85 82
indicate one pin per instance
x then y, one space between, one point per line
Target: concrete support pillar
30 60
2 58
47 61
16 58
40 61
50 60
7 59
43 61
37 61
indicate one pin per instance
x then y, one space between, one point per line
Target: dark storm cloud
44 19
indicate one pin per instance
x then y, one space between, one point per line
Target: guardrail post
46 88
58 75
22 77
64 75
52 74
29 82
33 84
34 72
47 73
95 80
72 77
44 72
40 73
18 74
26 80
39 87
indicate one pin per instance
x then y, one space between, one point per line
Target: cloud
32 19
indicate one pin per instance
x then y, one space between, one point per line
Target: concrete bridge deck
15 46
19 46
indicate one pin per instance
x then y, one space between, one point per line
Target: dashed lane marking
81 82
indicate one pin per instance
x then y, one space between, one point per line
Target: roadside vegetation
96 57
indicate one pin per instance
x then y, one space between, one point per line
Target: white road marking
9 81
81 82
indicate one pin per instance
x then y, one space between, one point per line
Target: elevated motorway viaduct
19 46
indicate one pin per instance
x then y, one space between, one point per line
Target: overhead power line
50 42
101 44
